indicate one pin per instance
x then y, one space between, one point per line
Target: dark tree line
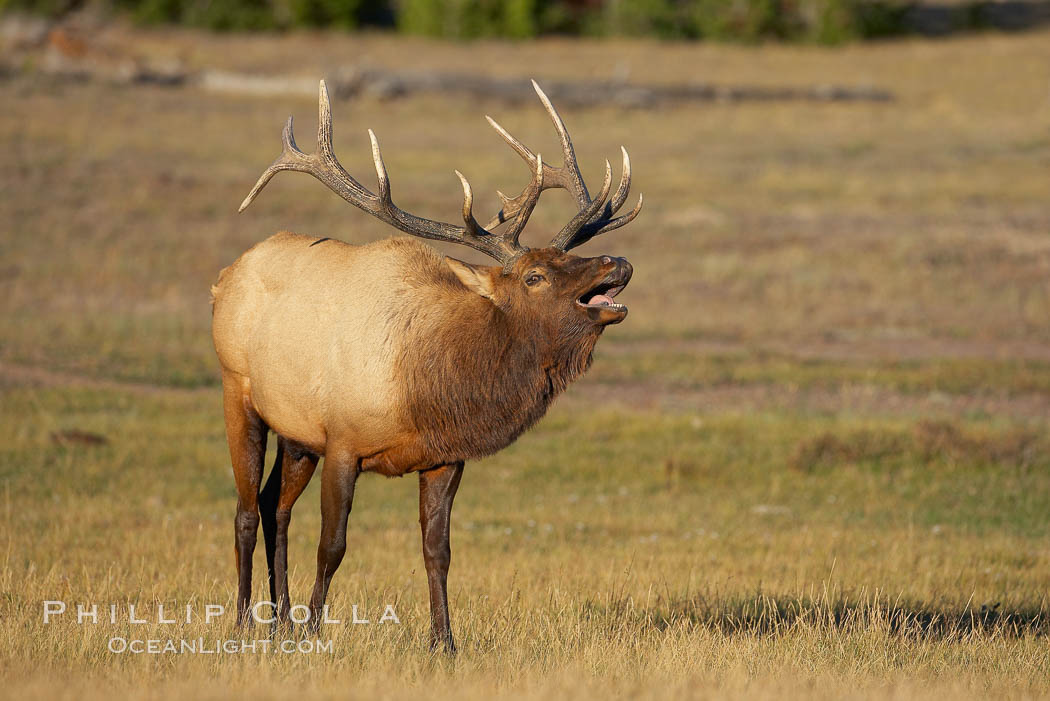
817 21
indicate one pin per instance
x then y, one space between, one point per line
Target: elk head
544 287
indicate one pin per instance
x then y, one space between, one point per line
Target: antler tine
603 225
510 206
625 186
291 157
531 195
381 177
468 207
521 149
324 123
571 168
565 237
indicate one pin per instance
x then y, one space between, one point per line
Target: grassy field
813 462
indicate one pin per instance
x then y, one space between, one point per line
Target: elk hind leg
246 434
268 515
292 470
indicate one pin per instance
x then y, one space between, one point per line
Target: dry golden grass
653 555
812 463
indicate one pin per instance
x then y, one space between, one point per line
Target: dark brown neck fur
481 376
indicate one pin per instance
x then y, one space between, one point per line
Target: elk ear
476 277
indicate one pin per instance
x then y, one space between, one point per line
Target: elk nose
628 269
625 268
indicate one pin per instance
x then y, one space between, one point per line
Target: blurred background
835 374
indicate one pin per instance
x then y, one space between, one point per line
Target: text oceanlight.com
262 612
200 646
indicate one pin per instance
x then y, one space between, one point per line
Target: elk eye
534 279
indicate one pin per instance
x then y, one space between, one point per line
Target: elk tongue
600 300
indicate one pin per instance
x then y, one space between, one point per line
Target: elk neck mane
473 376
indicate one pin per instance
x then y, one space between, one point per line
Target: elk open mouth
602 295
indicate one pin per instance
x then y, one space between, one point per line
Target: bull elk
392 358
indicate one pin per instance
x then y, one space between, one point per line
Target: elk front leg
246 434
291 472
338 477
437 489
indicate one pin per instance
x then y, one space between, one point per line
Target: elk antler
595 216
324 166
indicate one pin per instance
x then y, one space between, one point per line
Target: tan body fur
313 340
